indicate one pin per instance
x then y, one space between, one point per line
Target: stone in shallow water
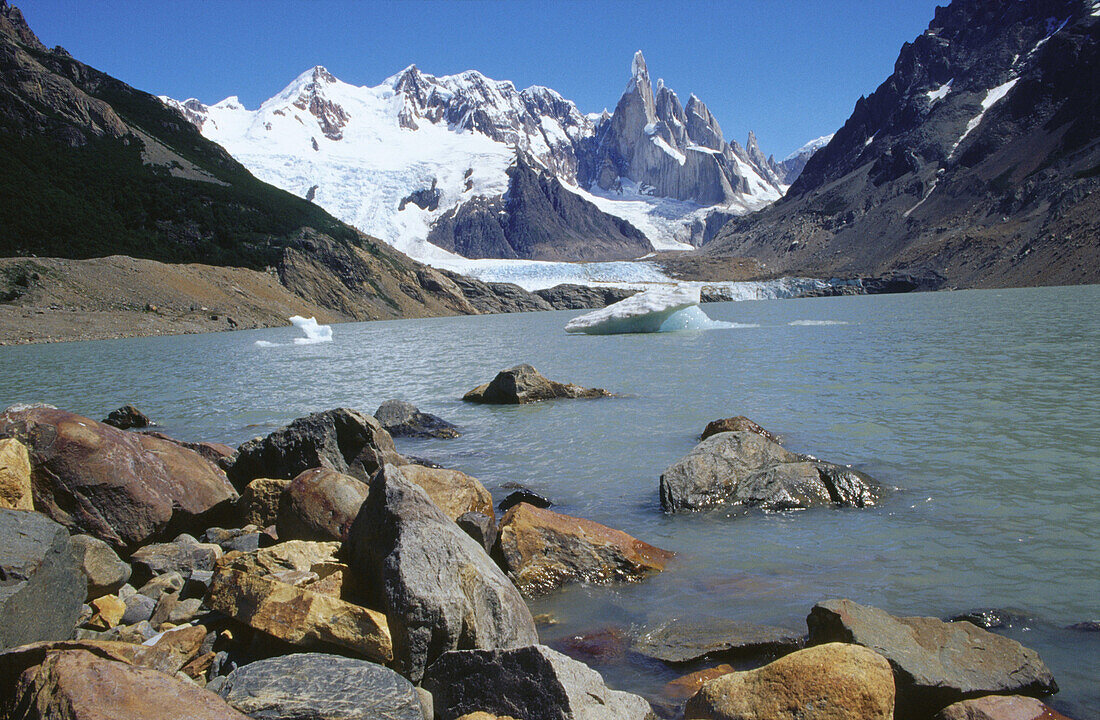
127 417
935 663
543 550
685 641
320 687
403 419
524 384
744 468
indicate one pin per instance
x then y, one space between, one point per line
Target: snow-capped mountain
792 165
393 159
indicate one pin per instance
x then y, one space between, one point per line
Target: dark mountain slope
978 158
91 167
538 219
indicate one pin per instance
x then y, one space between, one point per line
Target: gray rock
197 584
317 686
439 589
182 555
530 683
479 526
319 505
935 663
685 641
170 582
403 419
138 608
42 583
745 468
343 440
524 384
106 572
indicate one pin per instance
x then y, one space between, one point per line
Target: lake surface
982 409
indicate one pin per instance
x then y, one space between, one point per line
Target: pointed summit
639 76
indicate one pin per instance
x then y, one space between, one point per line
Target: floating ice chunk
645 312
812 323
314 333
693 318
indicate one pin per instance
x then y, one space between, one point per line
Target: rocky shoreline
317 572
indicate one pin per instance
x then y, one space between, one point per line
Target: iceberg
645 312
314 333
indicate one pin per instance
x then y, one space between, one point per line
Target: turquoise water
982 409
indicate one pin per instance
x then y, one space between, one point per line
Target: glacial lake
982 409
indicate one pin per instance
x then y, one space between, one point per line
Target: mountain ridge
977 159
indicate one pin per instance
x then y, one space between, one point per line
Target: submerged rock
319 504
403 419
524 384
745 468
685 641
523 495
319 686
543 550
735 424
121 487
836 681
439 589
533 683
127 417
343 440
42 583
935 663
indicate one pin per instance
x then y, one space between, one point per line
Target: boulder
343 440
439 589
524 384
523 495
685 641
935 663
320 504
138 608
183 555
999 707
456 493
403 419
170 582
745 468
296 615
79 685
106 572
15 476
220 454
245 539
259 503
42 584
543 550
320 687
482 528
530 683
284 557
127 417
123 488
735 424
836 681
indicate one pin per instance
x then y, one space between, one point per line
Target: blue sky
789 70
